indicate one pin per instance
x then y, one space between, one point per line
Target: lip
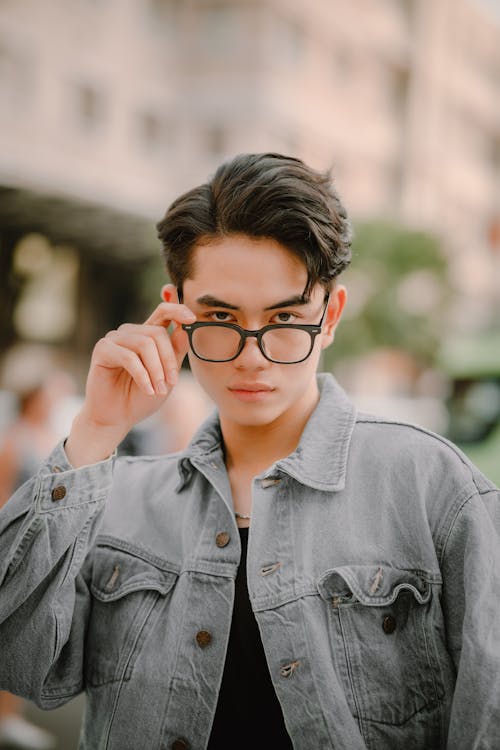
251 391
251 387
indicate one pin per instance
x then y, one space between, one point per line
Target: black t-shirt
248 714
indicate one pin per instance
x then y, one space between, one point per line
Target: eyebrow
209 301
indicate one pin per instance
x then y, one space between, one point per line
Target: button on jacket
373 572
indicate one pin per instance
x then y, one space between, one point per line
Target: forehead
257 269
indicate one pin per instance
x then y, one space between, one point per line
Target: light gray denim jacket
373 572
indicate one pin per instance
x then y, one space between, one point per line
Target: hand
132 371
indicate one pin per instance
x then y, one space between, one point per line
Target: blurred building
109 109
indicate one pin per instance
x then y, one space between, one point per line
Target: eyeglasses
281 343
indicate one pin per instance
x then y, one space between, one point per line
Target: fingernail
162 387
188 315
172 376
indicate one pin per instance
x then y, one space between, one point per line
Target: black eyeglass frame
244 333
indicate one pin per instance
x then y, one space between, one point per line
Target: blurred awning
92 228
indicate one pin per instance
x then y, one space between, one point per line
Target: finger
110 355
169 357
172 348
145 341
180 344
171 352
166 312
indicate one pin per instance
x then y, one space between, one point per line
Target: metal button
59 492
222 539
203 638
269 568
389 624
289 669
269 482
180 745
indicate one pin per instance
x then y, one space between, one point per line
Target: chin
252 415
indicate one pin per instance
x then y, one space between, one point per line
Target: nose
251 356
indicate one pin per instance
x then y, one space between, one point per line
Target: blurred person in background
171 428
175 423
30 375
302 575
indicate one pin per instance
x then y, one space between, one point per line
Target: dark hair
262 195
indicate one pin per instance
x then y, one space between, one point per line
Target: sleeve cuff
61 485
58 460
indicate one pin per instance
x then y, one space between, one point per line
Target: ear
169 293
338 298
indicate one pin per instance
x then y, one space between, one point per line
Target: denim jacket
373 573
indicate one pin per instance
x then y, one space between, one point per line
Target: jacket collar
320 459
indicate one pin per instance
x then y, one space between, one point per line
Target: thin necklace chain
241 515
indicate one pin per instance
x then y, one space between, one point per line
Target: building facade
109 109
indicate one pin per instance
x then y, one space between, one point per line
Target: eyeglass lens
280 344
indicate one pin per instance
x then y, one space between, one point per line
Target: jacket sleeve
46 531
471 603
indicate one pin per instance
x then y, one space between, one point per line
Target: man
367 612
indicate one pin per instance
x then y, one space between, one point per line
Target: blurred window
482 144
17 75
90 107
399 84
154 132
493 159
342 64
291 37
222 29
215 139
408 8
495 153
473 140
163 15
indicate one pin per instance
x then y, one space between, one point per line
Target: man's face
248 282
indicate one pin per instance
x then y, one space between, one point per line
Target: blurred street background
109 109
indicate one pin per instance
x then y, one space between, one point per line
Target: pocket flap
373 585
117 573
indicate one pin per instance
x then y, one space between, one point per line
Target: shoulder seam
467 463
415 427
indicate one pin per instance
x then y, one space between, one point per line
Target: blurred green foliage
398 292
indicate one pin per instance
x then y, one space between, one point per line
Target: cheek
295 379
208 374
196 366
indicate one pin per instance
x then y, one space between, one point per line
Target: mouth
251 387
251 391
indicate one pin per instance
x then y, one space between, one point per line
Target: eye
285 317
219 316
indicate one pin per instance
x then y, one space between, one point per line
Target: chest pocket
128 593
381 625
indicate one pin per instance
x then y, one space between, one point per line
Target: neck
253 448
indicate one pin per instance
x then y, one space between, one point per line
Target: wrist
90 442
